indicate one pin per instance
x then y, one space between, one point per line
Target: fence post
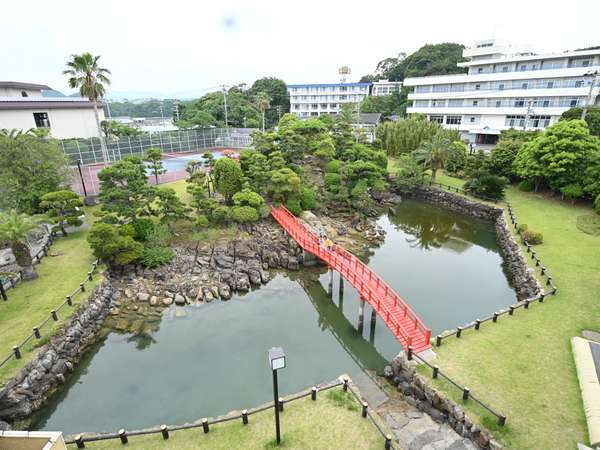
89 275
36 332
82 286
123 436
79 441
245 417
436 369
495 318
164 431
409 353
438 340
501 420
280 404
477 324
54 315
542 298
17 352
69 300
388 442
511 310
465 395
365 406
458 331
313 393
205 425
526 306
345 384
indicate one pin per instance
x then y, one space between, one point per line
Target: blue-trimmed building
324 98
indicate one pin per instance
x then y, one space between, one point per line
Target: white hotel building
316 99
506 87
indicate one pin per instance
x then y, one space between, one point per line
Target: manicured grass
442 178
523 365
332 422
31 302
179 187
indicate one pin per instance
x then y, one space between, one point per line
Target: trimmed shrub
142 228
533 237
201 221
156 256
308 198
527 186
220 214
333 166
243 214
487 185
293 206
522 227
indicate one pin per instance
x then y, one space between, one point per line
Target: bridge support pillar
361 315
341 294
330 286
373 324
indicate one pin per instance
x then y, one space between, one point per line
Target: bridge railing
349 265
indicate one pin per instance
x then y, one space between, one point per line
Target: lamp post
81 177
276 362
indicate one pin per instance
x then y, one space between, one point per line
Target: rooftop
20 85
327 84
44 102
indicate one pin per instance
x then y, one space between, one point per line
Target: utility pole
278 107
588 101
162 114
527 114
225 103
176 108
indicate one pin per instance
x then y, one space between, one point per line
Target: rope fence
52 317
205 423
548 289
466 392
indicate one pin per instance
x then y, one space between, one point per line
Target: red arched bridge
406 326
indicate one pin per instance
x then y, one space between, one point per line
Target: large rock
143 296
179 299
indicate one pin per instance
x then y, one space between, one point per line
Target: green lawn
523 365
332 422
31 302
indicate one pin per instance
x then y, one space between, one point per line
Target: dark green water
213 360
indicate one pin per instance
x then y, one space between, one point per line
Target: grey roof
44 102
20 85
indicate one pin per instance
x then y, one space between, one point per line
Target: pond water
208 359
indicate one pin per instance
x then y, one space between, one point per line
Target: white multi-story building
316 99
385 87
506 87
24 106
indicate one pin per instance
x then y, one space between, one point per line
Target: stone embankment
56 359
521 275
440 408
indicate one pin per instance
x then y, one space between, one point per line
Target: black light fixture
276 362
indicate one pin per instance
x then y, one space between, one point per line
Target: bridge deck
406 326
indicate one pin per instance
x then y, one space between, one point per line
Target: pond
208 359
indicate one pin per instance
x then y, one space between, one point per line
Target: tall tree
153 155
14 229
228 178
262 101
276 89
434 153
29 168
86 75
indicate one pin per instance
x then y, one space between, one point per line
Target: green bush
522 227
201 221
293 206
114 245
142 227
486 185
532 237
333 166
308 198
527 186
159 236
156 256
243 214
332 181
220 214
457 157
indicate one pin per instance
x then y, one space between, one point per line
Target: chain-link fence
88 151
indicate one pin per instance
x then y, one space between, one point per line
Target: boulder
143 296
154 300
167 301
179 299
224 291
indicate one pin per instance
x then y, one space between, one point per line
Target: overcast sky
175 45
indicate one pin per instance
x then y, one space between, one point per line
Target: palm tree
14 228
91 80
262 102
434 153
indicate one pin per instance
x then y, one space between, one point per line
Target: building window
505 69
24 94
323 105
472 119
453 120
342 97
475 102
498 103
333 105
343 88
501 86
539 121
550 84
545 103
523 68
314 113
578 83
438 119
480 70
524 85
41 120
477 87
519 102
573 102
513 121
296 106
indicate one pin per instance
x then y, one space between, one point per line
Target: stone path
415 430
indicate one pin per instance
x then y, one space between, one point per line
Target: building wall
64 122
12 92
316 99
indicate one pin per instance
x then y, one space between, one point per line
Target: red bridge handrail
408 328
